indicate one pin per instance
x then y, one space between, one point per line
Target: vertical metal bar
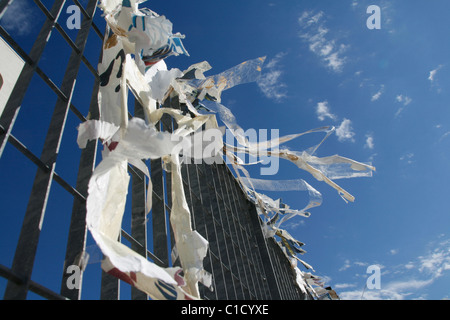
267 264
138 212
285 271
232 201
138 224
198 199
110 288
279 271
4 6
241 231
34 215
76 241
207 221
110 285
214 202
159 217
204 215
229 225
242 264
20 88
159 221
167 125
256 281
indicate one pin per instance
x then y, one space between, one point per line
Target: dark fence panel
243 264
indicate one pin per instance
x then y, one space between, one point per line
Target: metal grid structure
244 264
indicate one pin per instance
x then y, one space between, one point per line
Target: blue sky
386 91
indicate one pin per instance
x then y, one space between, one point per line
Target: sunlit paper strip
323 169
130 141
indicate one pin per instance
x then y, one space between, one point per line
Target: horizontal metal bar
76 49
97 31
67 38
59 93
51 84
45 10
30 62
127 236
90 67
63 183
13 44
43 75
77 113
83 11
87 16
35 287
3 6
25 151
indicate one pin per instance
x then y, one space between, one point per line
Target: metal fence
243 264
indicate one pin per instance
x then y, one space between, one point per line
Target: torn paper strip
105 206
191 246
323 169
129 141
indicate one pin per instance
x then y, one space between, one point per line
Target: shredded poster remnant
136 43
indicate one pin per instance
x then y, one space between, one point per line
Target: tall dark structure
50 235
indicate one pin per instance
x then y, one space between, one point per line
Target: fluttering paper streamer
324 169
130 141
136 43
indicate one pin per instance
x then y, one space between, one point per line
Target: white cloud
433 73
311 19
19 18
408 285
437 261
409 265
346 265
344 285
409 282
270 81
369 142
393 251
405 100
397 290
445 135
400 110
291 224
323 111
408 158
316 35
434 79
377 95
345 131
